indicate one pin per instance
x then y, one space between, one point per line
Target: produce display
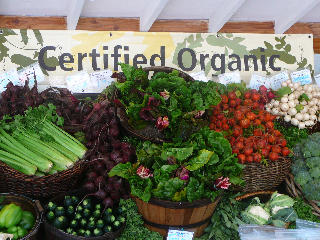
201 167
15 221
248 127
209 133
306 166
84 218
298 104
33 143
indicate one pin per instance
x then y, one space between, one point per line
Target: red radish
285 151
242 158
273 156
232 95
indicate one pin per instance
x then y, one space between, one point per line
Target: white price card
179 235
31 73
79 82
302 76
276 80
200 76
257 81
230 77
100 80
6 77
317 79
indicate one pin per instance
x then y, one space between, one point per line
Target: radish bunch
300 107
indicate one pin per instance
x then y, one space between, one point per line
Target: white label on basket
230 77
200 76
31 73
6 77
79 82
179 235
303 76
277 80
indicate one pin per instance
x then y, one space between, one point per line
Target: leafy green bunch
306 166
164 95
183 171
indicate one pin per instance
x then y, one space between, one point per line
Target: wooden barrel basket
160 215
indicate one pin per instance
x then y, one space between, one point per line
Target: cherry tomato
273 156
247 151
285 151
242 158
276 149
257 157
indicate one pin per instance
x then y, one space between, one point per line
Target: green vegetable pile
33 143
184 171
306 166
292 134
304 211
14 220
164 95
86 218
134 229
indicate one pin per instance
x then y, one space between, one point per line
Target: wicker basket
53 233
149 133
259 177
264 194
41 187
295 190
27 205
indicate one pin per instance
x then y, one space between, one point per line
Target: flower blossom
165 94
222 183
144 172
162 122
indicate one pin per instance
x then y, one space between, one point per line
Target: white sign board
179 235
6 77
302 76
230 77
276 80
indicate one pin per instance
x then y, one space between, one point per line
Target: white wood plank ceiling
284 13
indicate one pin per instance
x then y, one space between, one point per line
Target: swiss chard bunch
166 101
201 167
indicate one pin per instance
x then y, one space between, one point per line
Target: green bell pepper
27 220
18 232
22 232
10 215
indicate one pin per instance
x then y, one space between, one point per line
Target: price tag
79 82
31 73
257 80
179 235
100 80
303 76
276 80
317 79
6 77
230 77
200 76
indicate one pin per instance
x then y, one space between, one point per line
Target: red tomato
251 116
282 142
248 151
224 99
273 156
242 158
257 132
239 145
271 139
231 122
225 127
269 125
211 126
257 157
257 122
232 95
247 95
249 158
225 106
276 149
261 144
255 105
247 102
232 103
264 152
238 115
277 133
285 151
255 97
245 123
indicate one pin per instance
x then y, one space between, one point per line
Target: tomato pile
248 127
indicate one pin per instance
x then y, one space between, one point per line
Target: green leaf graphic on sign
287 48
3 50
7 32
21 60
38 36
24 36
51 62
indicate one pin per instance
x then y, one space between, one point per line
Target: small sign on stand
100 80
30 73
230 77
257 81
302 76
276 80
6 77
177 234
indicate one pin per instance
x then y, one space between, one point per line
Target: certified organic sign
65 52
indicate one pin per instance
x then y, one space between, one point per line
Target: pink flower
144 172
165 94
222 183
183 173
162 122
199 114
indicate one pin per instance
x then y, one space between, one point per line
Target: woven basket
149 133
259 177
27 205
41 187
295 190
53 233
256 194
